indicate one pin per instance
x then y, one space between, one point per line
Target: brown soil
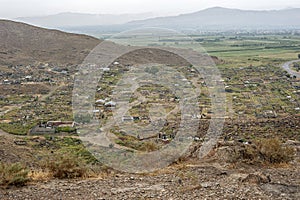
25 44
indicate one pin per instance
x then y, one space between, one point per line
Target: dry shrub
14 174
148 147
271 151
65 166
40 175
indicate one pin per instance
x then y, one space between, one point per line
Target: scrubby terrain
225 174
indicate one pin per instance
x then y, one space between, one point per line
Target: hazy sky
21 8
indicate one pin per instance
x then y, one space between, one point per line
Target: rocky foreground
215 177
180 181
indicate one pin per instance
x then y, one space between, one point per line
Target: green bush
66 129
13 175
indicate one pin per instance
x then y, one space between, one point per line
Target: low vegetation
66 129
134 143
268 151
64 166
14 174
15 128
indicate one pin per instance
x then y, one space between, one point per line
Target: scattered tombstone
159 135
127 118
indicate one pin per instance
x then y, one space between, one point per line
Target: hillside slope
25 44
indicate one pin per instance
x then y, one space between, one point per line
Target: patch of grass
15 128
75 146
134 143
39 175
14 174
65 166
66 129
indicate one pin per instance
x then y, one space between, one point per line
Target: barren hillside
24 44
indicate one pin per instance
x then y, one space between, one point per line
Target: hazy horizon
11 9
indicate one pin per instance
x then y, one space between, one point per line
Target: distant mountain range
224 18
216 18
80 19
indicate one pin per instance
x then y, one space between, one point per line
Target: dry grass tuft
14 174
40 175
65 166
268 151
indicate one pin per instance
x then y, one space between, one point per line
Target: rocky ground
212 178
191 182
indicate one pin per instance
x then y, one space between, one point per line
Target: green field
236 49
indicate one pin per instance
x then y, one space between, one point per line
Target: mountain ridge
71 19
221 17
